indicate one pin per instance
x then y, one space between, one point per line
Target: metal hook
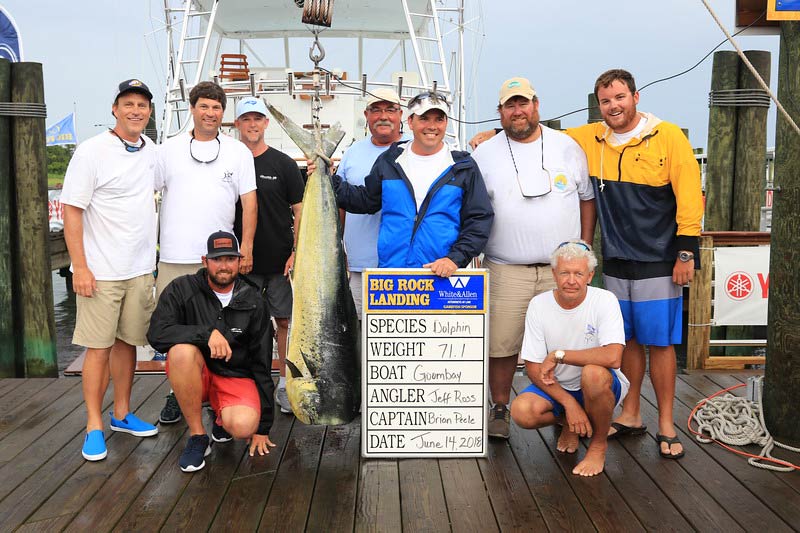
316 57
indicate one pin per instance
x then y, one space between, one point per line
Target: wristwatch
559 355
685 256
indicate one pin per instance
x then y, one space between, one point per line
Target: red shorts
224 391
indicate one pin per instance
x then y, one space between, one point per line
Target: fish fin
293 370
310 364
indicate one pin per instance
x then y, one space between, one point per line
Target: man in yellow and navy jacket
649 201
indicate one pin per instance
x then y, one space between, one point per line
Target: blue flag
63 132
10 40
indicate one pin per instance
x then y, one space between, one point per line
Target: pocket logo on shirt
236 330
227 176
271 178
560 182
590 334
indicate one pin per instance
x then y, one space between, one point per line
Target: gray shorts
277 293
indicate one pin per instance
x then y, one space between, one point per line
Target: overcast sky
87 47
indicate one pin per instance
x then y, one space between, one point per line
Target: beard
222 278
520 132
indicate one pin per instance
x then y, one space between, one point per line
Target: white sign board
741 285
424 346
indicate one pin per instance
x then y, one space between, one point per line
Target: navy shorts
558 409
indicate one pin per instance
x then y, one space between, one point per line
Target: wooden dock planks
315 479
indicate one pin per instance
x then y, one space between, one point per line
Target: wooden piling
782 378
721 155
36 330
751 149
7 345
594 109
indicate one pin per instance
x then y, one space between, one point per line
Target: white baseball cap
250 104
424 102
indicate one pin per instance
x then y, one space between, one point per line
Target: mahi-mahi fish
324 379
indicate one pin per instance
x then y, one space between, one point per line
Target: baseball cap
383 95
133 85
516 87
221 244
251 104
424 102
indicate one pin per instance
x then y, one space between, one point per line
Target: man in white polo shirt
539 187
110 231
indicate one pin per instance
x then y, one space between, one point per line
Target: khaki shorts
356 288
169 271
511 288
118 310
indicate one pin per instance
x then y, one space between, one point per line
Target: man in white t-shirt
574 337
539 186
202 174
110 232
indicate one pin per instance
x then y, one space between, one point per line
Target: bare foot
592 464
567 441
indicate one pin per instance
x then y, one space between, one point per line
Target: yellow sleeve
684 175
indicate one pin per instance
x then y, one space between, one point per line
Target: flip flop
622 429
670 441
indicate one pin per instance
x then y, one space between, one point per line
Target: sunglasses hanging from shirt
533 183
131 148
204 161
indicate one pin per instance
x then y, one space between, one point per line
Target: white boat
424 40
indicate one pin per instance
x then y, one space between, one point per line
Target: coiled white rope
738 421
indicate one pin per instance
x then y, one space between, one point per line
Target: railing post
700 308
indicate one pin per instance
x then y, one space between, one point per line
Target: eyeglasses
381 110
219 146
130 148
529 188
576 243
429 95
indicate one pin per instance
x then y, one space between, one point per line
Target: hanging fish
324 358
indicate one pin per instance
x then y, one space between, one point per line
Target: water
65 323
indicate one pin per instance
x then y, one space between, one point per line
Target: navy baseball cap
133 85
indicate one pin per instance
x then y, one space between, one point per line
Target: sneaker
218 433
499 421
158 356
133 425
171 412
283 400
94 446
193 456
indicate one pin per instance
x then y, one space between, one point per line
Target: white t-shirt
618 139
527 230
423 170
596 322
224 297
199 198
114 188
